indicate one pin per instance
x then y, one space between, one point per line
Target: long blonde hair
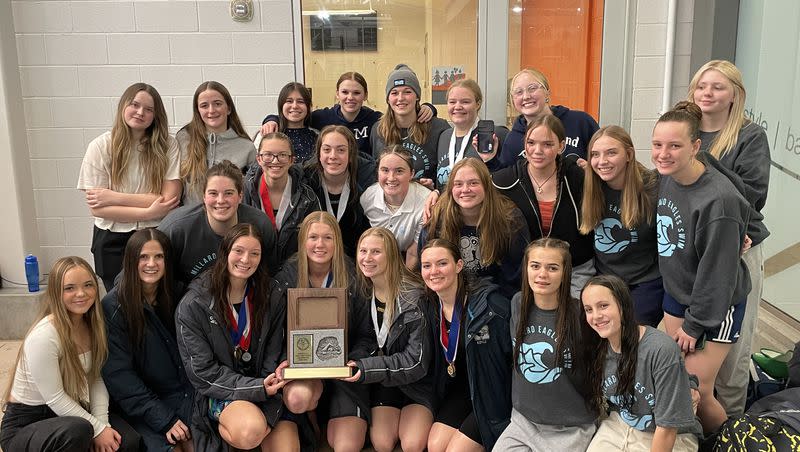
727 138
152 147
338 267
390 131
75 380
494 225
399 279
636 203
194 163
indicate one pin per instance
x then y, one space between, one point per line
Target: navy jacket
579 127
149 385
488 349
515 183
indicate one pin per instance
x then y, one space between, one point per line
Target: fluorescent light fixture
339 12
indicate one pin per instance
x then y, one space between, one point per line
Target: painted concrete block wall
648 66
76 58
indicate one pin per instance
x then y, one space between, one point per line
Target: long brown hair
195 163
152 148
352 156
462 280
341 279
727 138
567 312
288 89
130 292
629 331
494 228
399 278
220 278
74 379
640 183
390 131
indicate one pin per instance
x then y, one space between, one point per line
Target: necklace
538 185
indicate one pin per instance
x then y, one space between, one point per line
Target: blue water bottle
32 272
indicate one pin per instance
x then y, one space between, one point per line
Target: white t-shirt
406 223
96 173
37 380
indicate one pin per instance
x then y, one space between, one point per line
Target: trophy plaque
316 334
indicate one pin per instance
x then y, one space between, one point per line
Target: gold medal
451 370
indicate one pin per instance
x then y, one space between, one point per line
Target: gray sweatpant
522 435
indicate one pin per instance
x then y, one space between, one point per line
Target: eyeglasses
268 157
532 88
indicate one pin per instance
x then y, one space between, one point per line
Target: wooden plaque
316 333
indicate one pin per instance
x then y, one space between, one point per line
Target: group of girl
446 353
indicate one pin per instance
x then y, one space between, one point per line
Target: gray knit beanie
402 75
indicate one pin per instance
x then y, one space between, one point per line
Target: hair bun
690 108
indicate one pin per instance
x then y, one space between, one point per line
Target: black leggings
107 249
27 428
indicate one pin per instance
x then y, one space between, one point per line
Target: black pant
27 428
108 248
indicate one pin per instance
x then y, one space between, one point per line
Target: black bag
761 384
794 367
752 433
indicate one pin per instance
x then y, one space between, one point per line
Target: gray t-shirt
661 388
195 244
630 254
542 392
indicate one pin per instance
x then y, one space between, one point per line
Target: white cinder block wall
648 67
77 57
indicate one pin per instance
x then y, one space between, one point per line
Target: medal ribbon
240 322
343 198
382 331
465 141
450 341
266 204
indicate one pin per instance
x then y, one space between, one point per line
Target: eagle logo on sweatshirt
611 237
671 235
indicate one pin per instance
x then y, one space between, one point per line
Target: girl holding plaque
321 262
550 411
230 341
472 352
400 396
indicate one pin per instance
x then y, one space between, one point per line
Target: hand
427 209
748 242
356 376
581 162
279 370
161 207
487 156
427 183
178 433
107 441
269 127
100 197
424 114
272 384
685 342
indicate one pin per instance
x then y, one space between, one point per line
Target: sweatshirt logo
611 237
360 133
532 366
669 228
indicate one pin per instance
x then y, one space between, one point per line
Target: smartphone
701 342
485 131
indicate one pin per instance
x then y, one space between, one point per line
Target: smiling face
213 110
334 154
440 270
468 191
545 270
462 107
78 292
295 110
529 95
714 93
151 264
403 101
609 160
394 176
275 157
140 112
320 244
673 150
221 199
602 312
372 256
244 257
351 96
541 148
